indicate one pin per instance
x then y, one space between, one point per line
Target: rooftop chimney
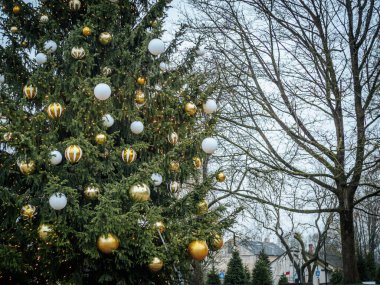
311 248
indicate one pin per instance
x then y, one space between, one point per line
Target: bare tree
300 94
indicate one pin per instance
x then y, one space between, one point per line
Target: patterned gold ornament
24 44
45 231
160 226
14 29
16 9
198 249
108 243
220 176
91 192
173 138
73 153
128 155
28 211
75 5
27 168
141 80
156 264
174 186
174 166
106 71
44 19
55 110
198 162
217 242
190 108
29 91
8 136
139 192
101 138
139 97
78 52
86 31
105 38
202 207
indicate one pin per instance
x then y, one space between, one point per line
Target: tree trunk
350 269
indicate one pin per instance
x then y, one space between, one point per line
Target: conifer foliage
262 274
235 274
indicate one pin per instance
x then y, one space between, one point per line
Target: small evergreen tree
262 274
337 277
247 275
283 280
213 278
235 271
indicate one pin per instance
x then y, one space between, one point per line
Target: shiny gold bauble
78 52
91 192
86 31
105 38
108 243
8 136
128 155
55 110
173 138
28 211
16 9
153 24
29 91
27 168
100 138
174 186
198 249
24 44
190 108
202 207
141 80
75 5
45 231
106 71
139 97
174 166
73 153
160 226
220 176
156 264
217 242
14 29
139 192
198 162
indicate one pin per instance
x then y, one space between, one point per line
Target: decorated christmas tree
104 146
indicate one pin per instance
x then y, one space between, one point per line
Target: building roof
255 247
331 259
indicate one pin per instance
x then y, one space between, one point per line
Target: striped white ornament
55 110
29 91
128 155
73 153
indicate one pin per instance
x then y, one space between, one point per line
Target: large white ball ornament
2 78
108 120
55 157
41 58
156 46
209 145
137 127
156 178
50 46
58 201
102 91
210 106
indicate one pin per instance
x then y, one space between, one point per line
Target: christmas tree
213 277
235 274
262 273
104 146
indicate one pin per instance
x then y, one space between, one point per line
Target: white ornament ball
156 46
108 120
44 19
50 46
137 127
41 58
102 91
156 178
210 106
209 145
164 66
55 157
2 78
201 51
58 201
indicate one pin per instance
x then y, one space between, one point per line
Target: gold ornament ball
91 192
27 168
139 192
190 108
101 138
86 31
105 38
16 9
198 249
153 24
160 226
128 155
108 243
55 110
174 186
202 207
8 136
220 176
45 231
73 153
139 97
156 264
174 166
217 242
29 91
106 71
14 29
78 52
141 80
28 211
198 162
24 44
173 138
75 5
